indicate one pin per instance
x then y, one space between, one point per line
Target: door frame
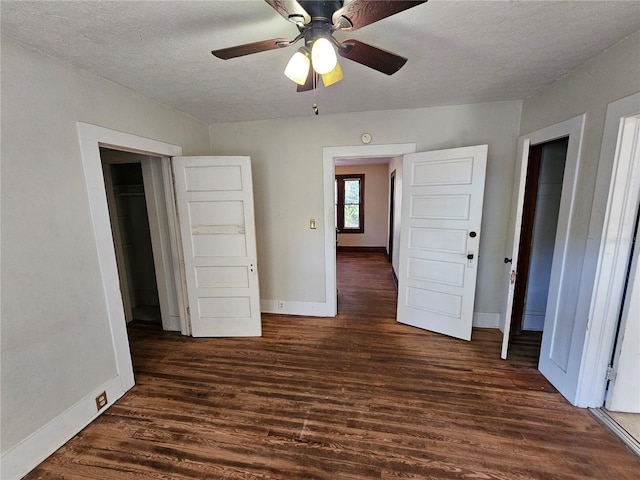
91 138
618 180
159 209
329 154
574 129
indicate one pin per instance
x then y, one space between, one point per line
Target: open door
441 215
214 197
516 227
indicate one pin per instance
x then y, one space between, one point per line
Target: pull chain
315 93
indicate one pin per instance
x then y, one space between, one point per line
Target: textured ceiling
459 52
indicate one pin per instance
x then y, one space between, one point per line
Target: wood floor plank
354 397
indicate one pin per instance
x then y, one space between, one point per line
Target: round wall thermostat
366 138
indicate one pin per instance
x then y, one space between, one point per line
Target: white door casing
610 302
618 182
91 139
441 215
214 197
559 352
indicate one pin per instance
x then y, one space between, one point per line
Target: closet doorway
139 219
543 191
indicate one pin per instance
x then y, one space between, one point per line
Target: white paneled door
441 215
214 197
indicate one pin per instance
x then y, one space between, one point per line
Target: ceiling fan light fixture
323 56
298 67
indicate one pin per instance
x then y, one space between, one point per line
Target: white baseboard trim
486 320
173 325
533 321
29 453
306 309
311 309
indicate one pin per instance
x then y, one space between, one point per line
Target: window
349 203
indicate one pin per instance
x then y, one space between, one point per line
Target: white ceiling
459 52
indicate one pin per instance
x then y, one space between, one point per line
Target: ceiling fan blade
309 84
361 13
372 57
249 48
291 10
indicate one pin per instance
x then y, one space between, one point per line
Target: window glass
349 202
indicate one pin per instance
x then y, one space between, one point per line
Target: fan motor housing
322 11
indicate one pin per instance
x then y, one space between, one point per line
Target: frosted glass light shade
334 76
298 67
323 56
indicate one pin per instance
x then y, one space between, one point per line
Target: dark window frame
340 179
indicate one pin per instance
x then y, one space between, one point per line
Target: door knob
470 256
507 260
472 234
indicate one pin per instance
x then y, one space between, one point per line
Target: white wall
56 342
376 206
288 184
589 89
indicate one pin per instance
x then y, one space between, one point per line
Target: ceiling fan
316 21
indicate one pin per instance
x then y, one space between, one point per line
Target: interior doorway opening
363 217
543 191
329 157
136 200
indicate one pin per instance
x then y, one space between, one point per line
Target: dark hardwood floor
358 396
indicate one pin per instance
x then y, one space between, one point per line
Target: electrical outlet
280 305
101 401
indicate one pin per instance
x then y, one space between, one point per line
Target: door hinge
611 374
188 311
